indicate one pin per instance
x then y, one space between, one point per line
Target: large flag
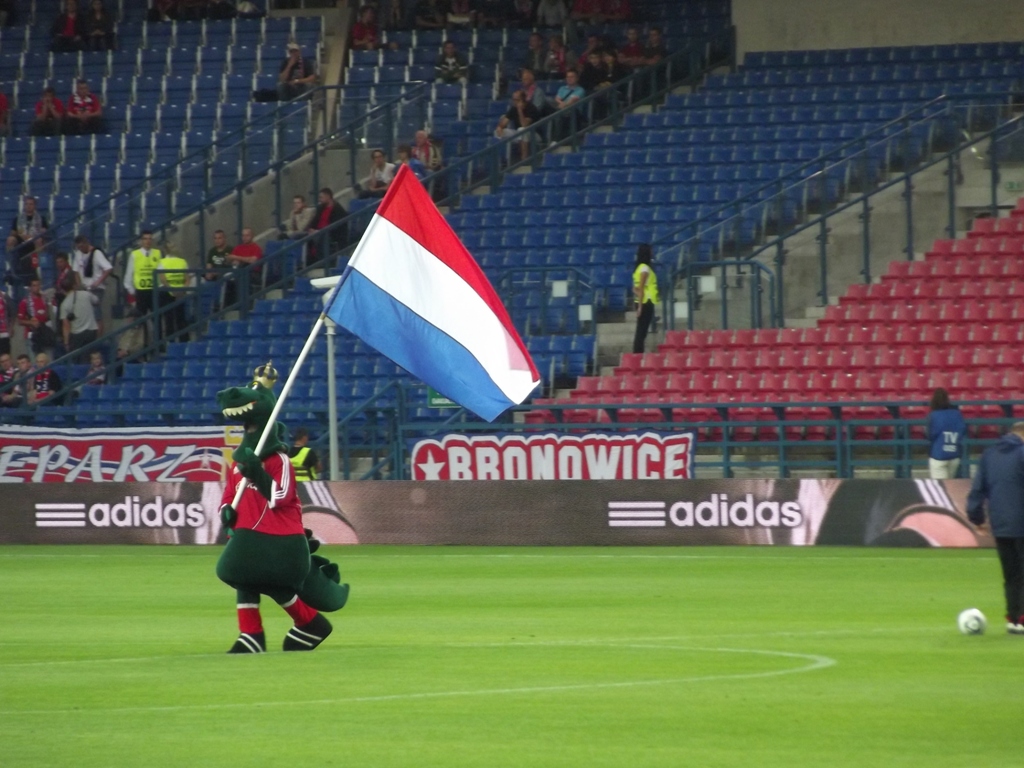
413 292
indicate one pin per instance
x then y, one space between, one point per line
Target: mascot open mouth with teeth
269 551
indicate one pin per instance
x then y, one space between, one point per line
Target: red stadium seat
631 361
942 246
982 227
898 270
1009 226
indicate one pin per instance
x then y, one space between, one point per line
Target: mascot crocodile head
251 407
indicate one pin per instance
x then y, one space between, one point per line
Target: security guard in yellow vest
138 275
175 317
304 459
645 292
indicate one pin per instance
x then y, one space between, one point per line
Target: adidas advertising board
922 513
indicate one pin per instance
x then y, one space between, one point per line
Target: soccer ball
971 622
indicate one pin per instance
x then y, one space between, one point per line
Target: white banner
145 454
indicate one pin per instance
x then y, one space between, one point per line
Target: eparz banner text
925 513
150 454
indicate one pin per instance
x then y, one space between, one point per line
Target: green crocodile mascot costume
268 550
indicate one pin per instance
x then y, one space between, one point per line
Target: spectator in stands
26 241
6 11
69 30
451 66
245 253
163 10
138 276
45 384
175 285
296 75
427 151
645 294
534 93
655 49
551 13
588 12
522 114
566 96
5 326
64 271
614 70
592 75
946 430
16 396
365 34
298 221
499 13
616 11
34 315
97 373
571 92
522 13
461 13
328 212
5 115
93 268
536 54
405 158
557 59
99 28
430 14
218 259
84 112
382 173
77 316
632 53
8 373
594 43
49 120
191 10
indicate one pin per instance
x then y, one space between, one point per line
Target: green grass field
515 657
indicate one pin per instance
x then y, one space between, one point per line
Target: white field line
812 663
335 649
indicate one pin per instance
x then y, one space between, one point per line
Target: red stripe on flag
408 207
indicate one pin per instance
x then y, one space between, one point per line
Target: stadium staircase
953 320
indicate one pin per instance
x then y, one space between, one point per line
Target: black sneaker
247 643
308 636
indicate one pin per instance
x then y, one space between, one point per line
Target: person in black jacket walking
1000 483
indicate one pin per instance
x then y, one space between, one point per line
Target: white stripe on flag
413 276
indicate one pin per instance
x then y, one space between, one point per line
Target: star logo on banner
430 468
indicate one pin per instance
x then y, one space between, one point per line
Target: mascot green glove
268 552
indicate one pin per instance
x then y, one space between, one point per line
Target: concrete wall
777 25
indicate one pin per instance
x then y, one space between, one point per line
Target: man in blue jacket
1000 482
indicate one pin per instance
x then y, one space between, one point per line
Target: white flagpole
284 394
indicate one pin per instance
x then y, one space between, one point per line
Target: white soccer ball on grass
971 622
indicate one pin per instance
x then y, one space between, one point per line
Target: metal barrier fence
766 439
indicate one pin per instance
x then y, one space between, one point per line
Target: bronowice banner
151 454
595 456
923 513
